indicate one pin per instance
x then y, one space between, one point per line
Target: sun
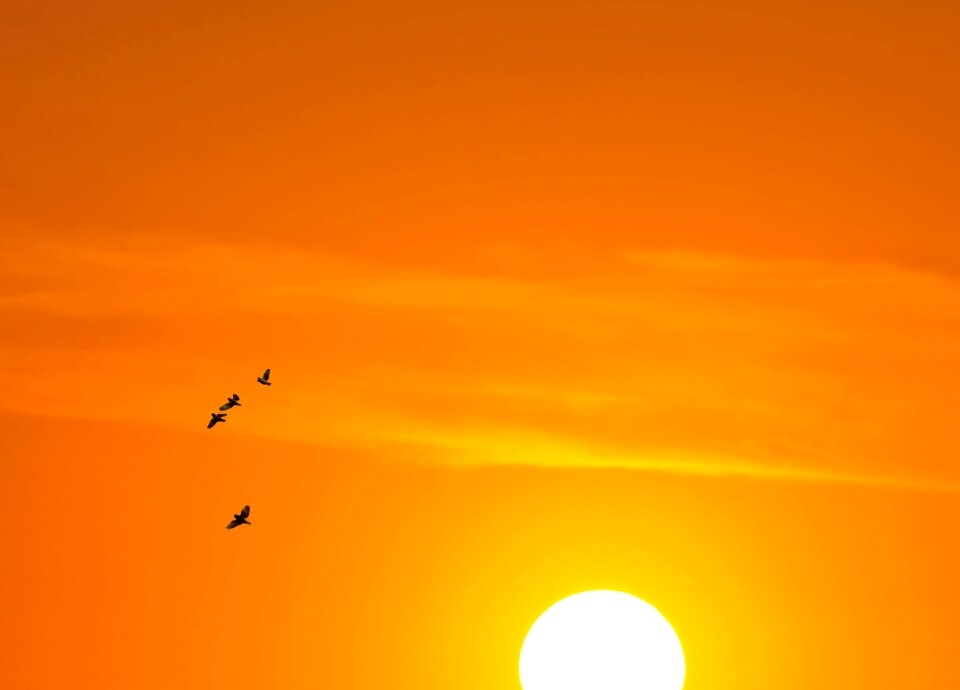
602 640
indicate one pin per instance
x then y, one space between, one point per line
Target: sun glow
602 640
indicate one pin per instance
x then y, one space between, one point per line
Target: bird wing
266 375
227 405
233 523
210 424
245 513
236 397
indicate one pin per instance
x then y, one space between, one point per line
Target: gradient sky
660 297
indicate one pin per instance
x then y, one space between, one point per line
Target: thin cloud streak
835 368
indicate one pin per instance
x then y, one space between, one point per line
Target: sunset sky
661 297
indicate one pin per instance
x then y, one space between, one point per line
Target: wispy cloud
829 371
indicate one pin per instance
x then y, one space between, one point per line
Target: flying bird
240 519
265 379
215 418
232 401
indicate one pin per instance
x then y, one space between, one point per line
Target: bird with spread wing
240 519
216 418
232 401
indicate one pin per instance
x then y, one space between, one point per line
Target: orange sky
660 297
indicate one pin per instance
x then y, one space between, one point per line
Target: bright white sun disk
602 640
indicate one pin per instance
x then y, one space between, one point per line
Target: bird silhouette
240 519
265 379
215 418
232 401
